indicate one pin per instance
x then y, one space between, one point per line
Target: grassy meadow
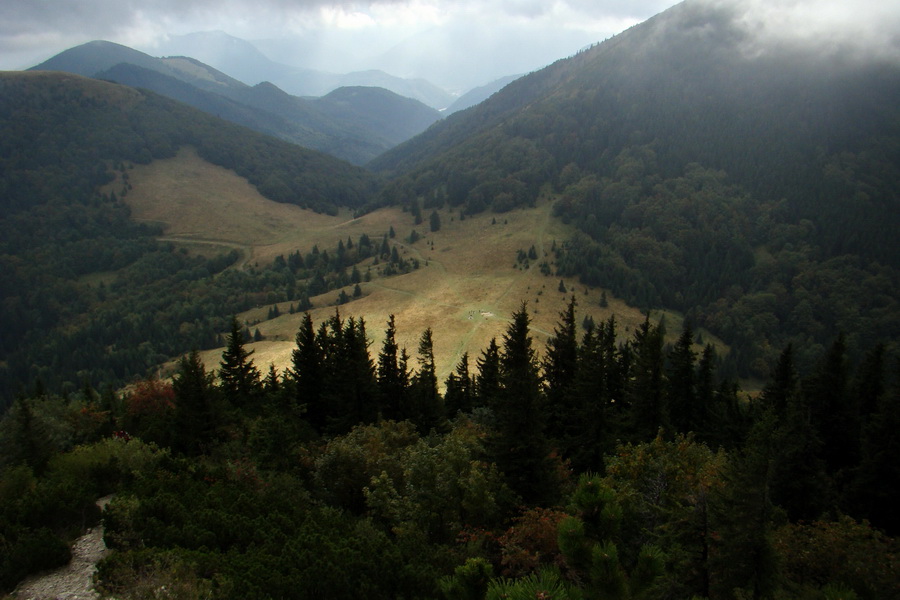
468 285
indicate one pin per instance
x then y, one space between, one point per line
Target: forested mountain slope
63 137
708 173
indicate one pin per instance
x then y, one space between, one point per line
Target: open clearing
466 289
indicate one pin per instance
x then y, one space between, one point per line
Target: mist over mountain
239 58
242 60
479 94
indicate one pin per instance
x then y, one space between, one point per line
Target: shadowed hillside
63 138
708 174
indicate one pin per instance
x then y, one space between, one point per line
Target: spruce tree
799 483
306 372
459 397
680 392
875 493
434 221
647 412
354 388
519 445
832 411
271 384
393 376
487 382
239 378
427 402
742 557
868 385
708 423
586 443
194 416
560 370
782 384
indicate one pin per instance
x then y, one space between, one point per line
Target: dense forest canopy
596 469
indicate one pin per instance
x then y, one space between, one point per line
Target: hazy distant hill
241 59
755 189
264 108
99 55
382 111
479 94
357 136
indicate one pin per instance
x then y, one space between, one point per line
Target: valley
468 285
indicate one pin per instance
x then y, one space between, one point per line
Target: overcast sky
349 35
494 37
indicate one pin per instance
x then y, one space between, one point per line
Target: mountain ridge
355 135
247 63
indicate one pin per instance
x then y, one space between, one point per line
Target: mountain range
356 124
242 60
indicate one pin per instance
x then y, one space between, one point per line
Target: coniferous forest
606 467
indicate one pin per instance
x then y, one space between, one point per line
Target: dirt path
75 580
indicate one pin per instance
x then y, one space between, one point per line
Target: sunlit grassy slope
466 289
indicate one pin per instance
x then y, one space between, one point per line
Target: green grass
466 289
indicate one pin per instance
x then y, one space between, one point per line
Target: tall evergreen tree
680 392
348 387
354 390
393 376
487 382
868 384
460 389
586 443
616 367
194 415
560 367
306 373
271 384
519 445
875 493
705 390
799 483
434 221
644 396
742 557
782 384
426 400
239 378
831 409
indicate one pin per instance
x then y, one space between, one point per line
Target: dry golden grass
466 290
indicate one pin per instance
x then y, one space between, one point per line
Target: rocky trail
75 580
